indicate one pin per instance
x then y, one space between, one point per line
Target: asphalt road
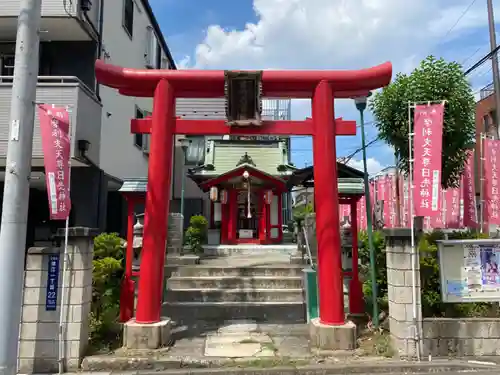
304 371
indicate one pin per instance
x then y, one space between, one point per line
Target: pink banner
391 200
372 197
469 193
54 128
427 149
345 211
490 174
403 200
452 207
438 221
383 195
361 206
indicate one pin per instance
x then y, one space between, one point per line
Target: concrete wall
438 337
461 337
402 324
39 327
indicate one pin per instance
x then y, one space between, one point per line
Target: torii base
327 337
147 336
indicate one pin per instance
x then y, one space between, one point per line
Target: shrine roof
190 83
222 156
235 176
305 176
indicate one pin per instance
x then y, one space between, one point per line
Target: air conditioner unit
86 5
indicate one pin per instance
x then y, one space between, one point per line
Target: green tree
433 80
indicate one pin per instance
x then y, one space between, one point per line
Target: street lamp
361 106
185 143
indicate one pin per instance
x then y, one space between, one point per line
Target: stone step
250 271
249 249
234 295
269 312
229 282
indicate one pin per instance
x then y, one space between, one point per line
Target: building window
128 16
139 138
164 63
195 153
157 55
7 65
149 53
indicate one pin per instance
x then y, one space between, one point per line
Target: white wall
119 156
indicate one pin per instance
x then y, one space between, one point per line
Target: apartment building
73 34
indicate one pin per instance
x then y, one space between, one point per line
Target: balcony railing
85 112
61 19
487 91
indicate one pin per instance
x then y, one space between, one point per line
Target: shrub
196 234
381 269
299 213
108 268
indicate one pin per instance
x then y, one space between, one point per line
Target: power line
349 157
466 10
471 55
482 61
460 18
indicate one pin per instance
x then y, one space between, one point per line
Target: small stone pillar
405 331
39 330
310 225
175 234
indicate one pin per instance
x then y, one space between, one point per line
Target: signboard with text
52 282
469 270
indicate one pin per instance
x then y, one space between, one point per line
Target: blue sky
326 34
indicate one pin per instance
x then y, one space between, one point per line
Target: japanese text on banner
361 207
54 129
491 164
469 193
427 149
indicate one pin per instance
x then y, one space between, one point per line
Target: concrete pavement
444 367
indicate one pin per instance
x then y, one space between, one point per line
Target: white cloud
343 34
372 164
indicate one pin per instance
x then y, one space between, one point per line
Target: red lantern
268 196
214 193
223 196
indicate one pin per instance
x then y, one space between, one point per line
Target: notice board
469 270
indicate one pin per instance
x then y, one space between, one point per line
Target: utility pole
494 63
16 190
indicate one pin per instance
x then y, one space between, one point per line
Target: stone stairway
263 286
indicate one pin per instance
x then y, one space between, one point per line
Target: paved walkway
243 339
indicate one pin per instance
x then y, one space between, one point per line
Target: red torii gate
167 85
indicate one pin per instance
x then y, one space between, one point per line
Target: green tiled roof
266 157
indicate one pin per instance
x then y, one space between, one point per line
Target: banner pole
63 309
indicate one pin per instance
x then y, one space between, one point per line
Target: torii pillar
330 330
